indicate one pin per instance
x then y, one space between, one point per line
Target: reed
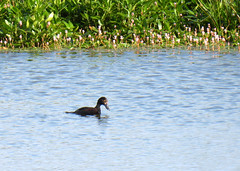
57 24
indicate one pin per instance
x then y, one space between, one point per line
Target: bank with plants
57 24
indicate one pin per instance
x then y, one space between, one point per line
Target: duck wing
87 111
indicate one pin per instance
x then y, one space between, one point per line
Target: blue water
170 110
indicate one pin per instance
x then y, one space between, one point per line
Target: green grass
56 24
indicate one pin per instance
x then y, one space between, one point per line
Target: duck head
103 101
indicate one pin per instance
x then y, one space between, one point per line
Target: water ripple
174 106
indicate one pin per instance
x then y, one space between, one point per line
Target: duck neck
98 108
99 111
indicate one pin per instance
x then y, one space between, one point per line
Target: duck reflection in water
84 111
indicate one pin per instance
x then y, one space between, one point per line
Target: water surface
170 110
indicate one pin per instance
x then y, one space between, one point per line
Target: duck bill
106 106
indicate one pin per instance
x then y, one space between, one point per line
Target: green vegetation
56 24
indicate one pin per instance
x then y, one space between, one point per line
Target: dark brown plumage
84 111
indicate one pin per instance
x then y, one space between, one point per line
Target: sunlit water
170 110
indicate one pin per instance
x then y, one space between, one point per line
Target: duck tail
69 112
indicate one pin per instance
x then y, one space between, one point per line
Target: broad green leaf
33 18
159 25
69 25
8 23
100 23
27 25
50 17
